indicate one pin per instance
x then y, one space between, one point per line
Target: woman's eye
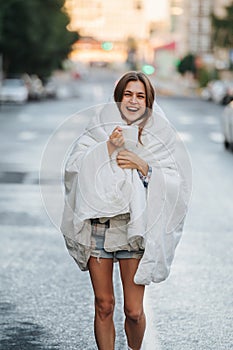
127 94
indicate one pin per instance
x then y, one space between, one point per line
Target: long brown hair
150 94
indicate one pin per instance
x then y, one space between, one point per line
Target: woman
125 202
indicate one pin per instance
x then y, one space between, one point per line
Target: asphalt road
45 301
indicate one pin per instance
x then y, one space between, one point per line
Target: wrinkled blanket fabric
96 187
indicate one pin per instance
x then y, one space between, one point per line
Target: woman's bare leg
135 321
101 278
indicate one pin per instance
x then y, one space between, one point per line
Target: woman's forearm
143 167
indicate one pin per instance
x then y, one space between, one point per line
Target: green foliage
201 73
33 36
223 29
187 64
204 75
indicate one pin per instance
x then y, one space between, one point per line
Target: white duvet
96 187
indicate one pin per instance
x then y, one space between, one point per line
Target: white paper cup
130 134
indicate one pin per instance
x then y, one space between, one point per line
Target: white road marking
216 137
27 135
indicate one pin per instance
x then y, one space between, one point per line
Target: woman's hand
116 140
130 160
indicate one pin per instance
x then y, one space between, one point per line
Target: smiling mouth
132 109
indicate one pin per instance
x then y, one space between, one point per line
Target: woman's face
133 104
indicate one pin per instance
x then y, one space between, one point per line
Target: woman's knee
135 314
104 307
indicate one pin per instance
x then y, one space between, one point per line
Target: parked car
13 90
50 88
35 86
229 93
219 91
227 126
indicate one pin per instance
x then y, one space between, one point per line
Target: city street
46 302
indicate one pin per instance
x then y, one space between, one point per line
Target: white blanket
97 187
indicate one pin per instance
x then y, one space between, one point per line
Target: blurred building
191 24
121 28
109 20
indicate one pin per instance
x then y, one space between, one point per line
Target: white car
219 91
35 86
227 126
13 90
50 88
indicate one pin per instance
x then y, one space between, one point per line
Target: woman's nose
133 99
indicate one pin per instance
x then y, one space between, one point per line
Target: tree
187 64
223 29
33 36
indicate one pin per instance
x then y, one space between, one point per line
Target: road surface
47 303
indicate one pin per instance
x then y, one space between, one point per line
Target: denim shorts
97 244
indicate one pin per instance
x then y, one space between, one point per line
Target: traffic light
107 45
148 69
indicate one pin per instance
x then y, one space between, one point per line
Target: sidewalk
175 86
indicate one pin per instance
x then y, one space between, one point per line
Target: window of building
206 8
205 25
194 25
194 8
205 43
193 43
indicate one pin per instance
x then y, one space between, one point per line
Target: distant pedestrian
125 202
